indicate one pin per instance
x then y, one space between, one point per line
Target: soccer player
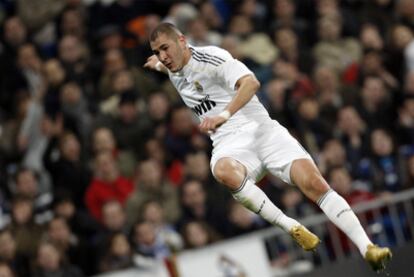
246 141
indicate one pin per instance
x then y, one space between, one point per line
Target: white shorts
267 147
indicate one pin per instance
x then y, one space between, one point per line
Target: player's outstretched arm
246 86
154 64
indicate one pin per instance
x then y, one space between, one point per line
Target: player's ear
182 40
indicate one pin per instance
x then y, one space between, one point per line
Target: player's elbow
249 83
254 83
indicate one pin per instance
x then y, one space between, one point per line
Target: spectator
333 50
370 37
107 184
76 61
405 12
151 184
196 206
18 262
295 205
375 104
51 262
383 164
147 242
242 221
284 16
210 15
158 108
25 230
73 248
129 127
197 167
405 125
55 76
182 135
114 61
6 270
75 110
408 87
276 92
298 85
332 155
409 174
113 217
198 234
313 130
331 94
79 221
72 22
200 35
254 45
27 186
122 81
15 35
153 212
353 135
113 222
353 191
403 40
118 254
290 48
70 176
103 140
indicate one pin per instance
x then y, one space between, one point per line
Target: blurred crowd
101 165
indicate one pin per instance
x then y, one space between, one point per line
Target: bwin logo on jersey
205 105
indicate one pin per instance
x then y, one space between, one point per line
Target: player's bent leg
307 177
230 173
234 176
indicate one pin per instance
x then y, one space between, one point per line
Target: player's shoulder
212 54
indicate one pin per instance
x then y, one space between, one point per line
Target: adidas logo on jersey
205 105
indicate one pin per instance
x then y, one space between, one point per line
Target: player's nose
163 56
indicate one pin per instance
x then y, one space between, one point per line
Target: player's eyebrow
156 50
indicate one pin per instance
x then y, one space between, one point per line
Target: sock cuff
320 200
242 185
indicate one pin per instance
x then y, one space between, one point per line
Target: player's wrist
225 114
158 66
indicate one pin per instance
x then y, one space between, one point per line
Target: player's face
170 51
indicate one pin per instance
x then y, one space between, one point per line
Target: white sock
254 199
341 214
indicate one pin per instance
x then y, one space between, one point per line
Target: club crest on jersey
198 86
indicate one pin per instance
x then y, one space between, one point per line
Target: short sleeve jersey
207 84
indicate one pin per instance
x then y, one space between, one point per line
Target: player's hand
151 62
210 124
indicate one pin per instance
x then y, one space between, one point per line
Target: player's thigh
245 157
278 149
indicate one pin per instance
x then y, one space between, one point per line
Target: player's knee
229 172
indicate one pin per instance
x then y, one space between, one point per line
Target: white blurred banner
244 257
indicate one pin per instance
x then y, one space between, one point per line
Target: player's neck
187 56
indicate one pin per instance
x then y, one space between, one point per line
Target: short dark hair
167 29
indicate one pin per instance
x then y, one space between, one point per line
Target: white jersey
207 84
